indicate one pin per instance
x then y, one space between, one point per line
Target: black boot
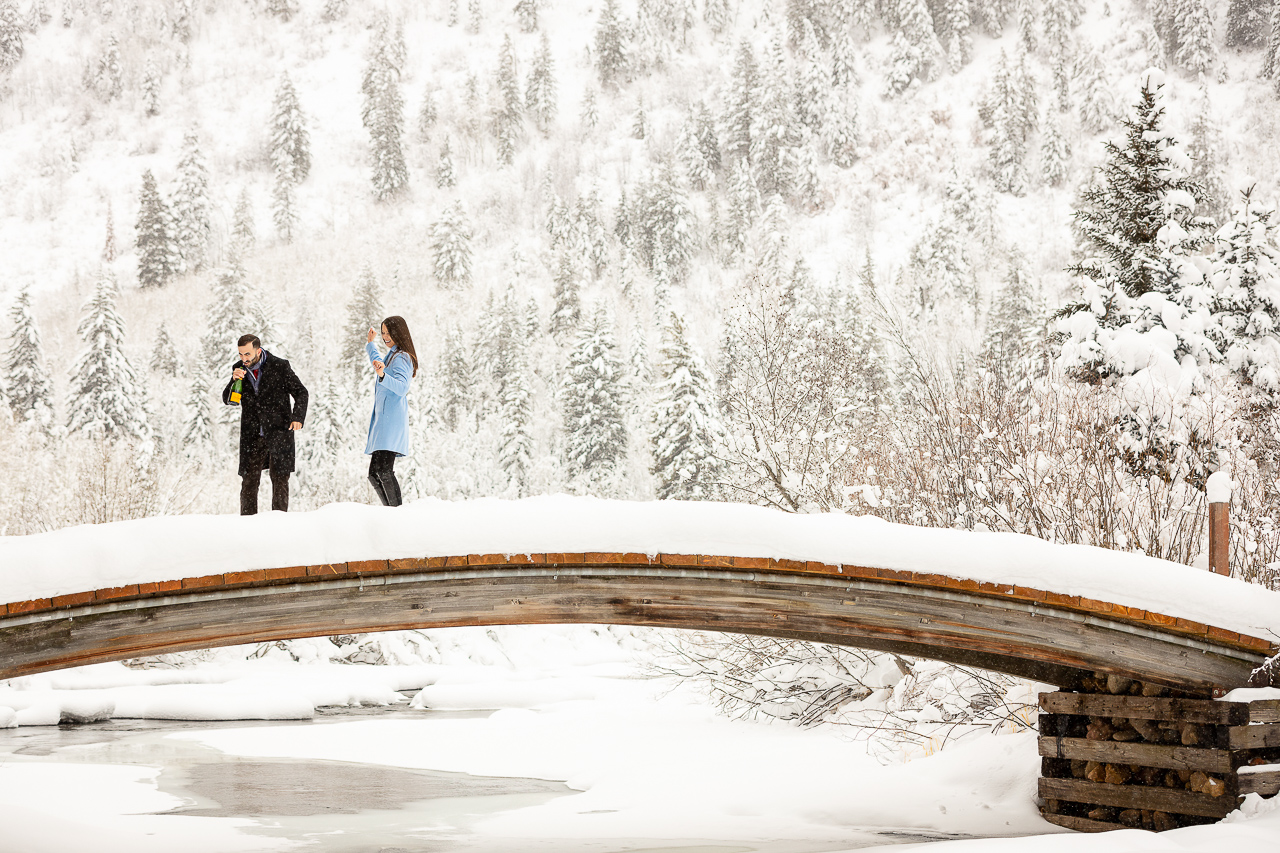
376 481
391 486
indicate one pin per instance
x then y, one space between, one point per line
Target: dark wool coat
270 410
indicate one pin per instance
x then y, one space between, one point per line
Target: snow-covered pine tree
165 357
109 242
228 319
744 84
612 54
1248 23
1055 153
690 155
589 114
942 274
744 208
666 224
290 140
916 51
105 400
364 312
566 311
959 25
1012 343
451 247
284 199
1025 13
282 9
428 115
1097 107
773 125
1140 190
11 46
456 379
593 404
685 429
1245 283
334 10
527 15
540 88
158 258
508 115
106 76
515 447
812 83
1205 150
243 236
191 206
445 177
1271 55
26 382
383 112
475 17
717 14
1197 51
197 426
592 237
151 88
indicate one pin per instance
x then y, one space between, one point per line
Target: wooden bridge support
1138 756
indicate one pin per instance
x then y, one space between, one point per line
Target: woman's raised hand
372 334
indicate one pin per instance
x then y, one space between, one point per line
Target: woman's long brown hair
398 329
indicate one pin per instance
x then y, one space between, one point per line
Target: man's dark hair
249 339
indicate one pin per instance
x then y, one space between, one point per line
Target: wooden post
1219 537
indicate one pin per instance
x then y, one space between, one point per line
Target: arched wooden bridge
1046 636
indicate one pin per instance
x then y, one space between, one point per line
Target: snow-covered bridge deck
999 601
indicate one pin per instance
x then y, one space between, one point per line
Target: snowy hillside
535 186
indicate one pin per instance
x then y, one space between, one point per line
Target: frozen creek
351 807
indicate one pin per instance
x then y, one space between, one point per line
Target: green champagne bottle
235 393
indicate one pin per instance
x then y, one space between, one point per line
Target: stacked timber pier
1123 754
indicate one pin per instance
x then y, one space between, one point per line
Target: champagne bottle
235 392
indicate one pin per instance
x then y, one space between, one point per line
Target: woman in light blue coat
389 424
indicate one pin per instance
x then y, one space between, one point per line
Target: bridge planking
1033 633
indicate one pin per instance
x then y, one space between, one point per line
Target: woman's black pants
383 477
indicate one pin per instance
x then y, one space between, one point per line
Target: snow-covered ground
653 766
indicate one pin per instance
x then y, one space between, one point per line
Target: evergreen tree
1196 49
740 103
589 116
612 49
364 312
26 382
515 449
290 141
716 13
812 83
282 9
243 236
1055 154
1271 56
916 50
685 429
593 239
840 139
475 17
197 427
1012 340
666 224
592 400
639 122
158 259
106 77
1245 283
457 378
334 10
105 399
11 46
540 92
451 247
508 118
151 88
689 152
959 23
191 206
1025 11
567 310
1120 217
773 126
744 207
428 115
383 112
109 243
527 14
284 200
1096 105
228 318
1204 149
445 177
165 354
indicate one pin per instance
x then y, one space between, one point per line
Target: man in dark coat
267 421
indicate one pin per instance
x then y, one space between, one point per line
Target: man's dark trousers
259 458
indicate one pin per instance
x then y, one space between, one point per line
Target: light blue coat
389 424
